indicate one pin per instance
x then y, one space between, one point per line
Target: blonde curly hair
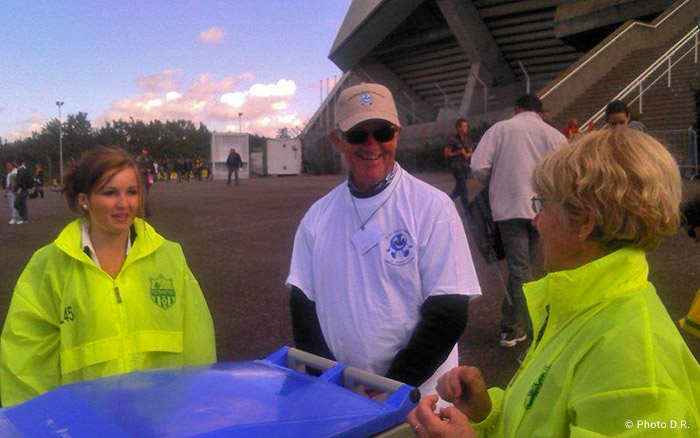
625 179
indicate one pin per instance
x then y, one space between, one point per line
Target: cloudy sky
200 60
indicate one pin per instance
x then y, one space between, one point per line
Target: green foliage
425 158
283 133
172 138
256 143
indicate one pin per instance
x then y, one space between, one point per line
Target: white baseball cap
365 102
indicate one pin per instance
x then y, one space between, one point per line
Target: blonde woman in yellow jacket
108 296
607 359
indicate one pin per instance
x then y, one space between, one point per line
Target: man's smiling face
372 160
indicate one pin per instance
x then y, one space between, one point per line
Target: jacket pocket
89 354
160 341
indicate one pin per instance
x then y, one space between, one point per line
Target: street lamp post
239 122
59 104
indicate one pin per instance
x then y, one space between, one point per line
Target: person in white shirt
381 271
504 160
10 186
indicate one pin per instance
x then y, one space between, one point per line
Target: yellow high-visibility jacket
610 361
70 321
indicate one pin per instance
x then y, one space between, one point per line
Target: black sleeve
305 325
443 319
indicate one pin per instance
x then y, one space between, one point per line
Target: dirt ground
238 242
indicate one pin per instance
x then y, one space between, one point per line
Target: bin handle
297 359
352 377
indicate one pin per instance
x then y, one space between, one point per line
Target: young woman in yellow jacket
109 295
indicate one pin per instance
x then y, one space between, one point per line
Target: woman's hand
450 423
465 388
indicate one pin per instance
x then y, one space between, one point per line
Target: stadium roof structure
444 59
439 51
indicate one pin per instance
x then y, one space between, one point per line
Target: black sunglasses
360 136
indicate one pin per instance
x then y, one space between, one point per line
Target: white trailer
221 145
283 156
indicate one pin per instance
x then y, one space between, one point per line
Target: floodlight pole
59 104
239 123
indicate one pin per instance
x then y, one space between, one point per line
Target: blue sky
202 60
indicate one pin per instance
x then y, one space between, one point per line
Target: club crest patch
400 249
366 99
162 291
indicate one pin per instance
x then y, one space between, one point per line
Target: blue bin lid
242 399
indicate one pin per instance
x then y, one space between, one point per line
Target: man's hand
449 423
465 387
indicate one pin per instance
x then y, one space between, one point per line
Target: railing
602 49
638 82
486 92
413 107
323 114
527 77
448 103
683 145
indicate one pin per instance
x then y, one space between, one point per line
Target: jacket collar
144 241
619 273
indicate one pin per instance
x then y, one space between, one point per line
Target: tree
172 137
77 135
283 133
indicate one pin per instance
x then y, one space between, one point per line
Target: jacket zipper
117 294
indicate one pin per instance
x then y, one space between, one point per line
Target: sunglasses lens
384 134
360 136
356 136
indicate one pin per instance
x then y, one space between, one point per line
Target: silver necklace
357 213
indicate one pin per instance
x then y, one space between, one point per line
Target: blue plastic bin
262 398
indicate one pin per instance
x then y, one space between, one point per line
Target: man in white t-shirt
381 271
505 159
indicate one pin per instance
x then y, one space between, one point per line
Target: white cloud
236 99
265 107
282 88
173 95
211 35
159 81
280 106
34 124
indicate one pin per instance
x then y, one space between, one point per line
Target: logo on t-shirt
400 249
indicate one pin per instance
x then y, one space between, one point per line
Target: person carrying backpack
25 182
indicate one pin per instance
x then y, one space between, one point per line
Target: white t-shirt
368 291
10 179
506 158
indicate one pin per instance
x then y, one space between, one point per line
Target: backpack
25 180
484 229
